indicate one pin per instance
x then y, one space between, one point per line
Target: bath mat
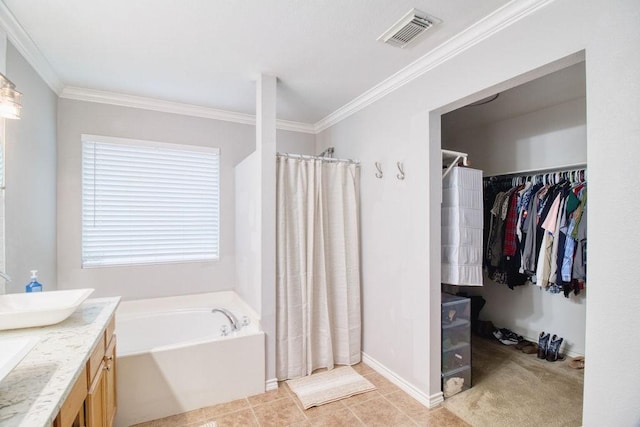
329 386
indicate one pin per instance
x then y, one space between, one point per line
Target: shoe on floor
577 362
507 337
531 348
554 348
543 344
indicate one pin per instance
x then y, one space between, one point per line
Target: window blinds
146 202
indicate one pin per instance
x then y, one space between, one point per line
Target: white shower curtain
318 318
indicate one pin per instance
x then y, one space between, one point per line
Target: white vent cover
410 26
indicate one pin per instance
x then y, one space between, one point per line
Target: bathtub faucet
235 325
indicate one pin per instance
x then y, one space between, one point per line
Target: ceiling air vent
408 28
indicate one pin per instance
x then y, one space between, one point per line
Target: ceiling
208 53
561 86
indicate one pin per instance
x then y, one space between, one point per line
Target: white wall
400 221
613 129
77 117
266 181
30 179
546 138
295 142
247 234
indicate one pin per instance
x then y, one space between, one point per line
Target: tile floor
386 407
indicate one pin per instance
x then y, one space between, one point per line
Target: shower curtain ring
400 176
379 167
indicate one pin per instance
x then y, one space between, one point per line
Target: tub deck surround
172 357
33 393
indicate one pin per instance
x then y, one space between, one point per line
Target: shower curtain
318 320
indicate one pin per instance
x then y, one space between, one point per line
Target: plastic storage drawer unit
456 344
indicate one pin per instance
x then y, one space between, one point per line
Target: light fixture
10 106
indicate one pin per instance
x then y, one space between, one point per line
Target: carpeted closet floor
512 388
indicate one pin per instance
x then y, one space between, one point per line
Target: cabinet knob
107 367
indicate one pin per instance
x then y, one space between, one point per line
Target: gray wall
30 198
295 142
235 141
401 220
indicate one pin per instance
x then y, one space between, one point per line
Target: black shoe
507 337
554 348
543 344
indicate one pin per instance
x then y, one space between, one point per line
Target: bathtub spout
235 325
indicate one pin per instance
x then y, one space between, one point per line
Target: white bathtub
172 357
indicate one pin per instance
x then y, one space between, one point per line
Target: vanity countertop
33 393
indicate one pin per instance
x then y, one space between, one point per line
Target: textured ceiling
209 52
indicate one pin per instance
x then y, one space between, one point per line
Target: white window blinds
148 202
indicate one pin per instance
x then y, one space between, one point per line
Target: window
148 202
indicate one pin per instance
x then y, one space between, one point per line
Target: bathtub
173 358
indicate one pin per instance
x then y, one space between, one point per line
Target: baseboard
271 384
410 389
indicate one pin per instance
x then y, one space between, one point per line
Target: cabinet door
94 404
110 382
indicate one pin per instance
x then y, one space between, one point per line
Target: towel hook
400 176
379 167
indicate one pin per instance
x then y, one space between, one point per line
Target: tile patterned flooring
388 406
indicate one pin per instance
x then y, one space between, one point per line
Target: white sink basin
39 308
13 351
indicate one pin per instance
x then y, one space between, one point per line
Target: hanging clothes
537 232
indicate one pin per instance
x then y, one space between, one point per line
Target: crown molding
28 49
296 126
484 28
133 101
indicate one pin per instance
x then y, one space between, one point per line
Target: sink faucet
235 325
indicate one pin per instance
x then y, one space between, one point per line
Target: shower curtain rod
324 159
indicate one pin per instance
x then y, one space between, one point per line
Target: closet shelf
451 158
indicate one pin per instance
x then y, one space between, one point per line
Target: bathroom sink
39 308
13 351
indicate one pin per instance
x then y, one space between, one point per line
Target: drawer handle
107 367
109 358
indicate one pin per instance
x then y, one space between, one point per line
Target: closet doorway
535 131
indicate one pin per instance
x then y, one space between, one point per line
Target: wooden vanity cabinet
92 401
94 405
100 404
110 382
72 411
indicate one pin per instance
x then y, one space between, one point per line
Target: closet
531 134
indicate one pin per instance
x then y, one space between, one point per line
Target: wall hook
400 176
379 167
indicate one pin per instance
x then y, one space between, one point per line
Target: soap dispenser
33 285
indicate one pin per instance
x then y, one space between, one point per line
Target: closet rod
565 168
